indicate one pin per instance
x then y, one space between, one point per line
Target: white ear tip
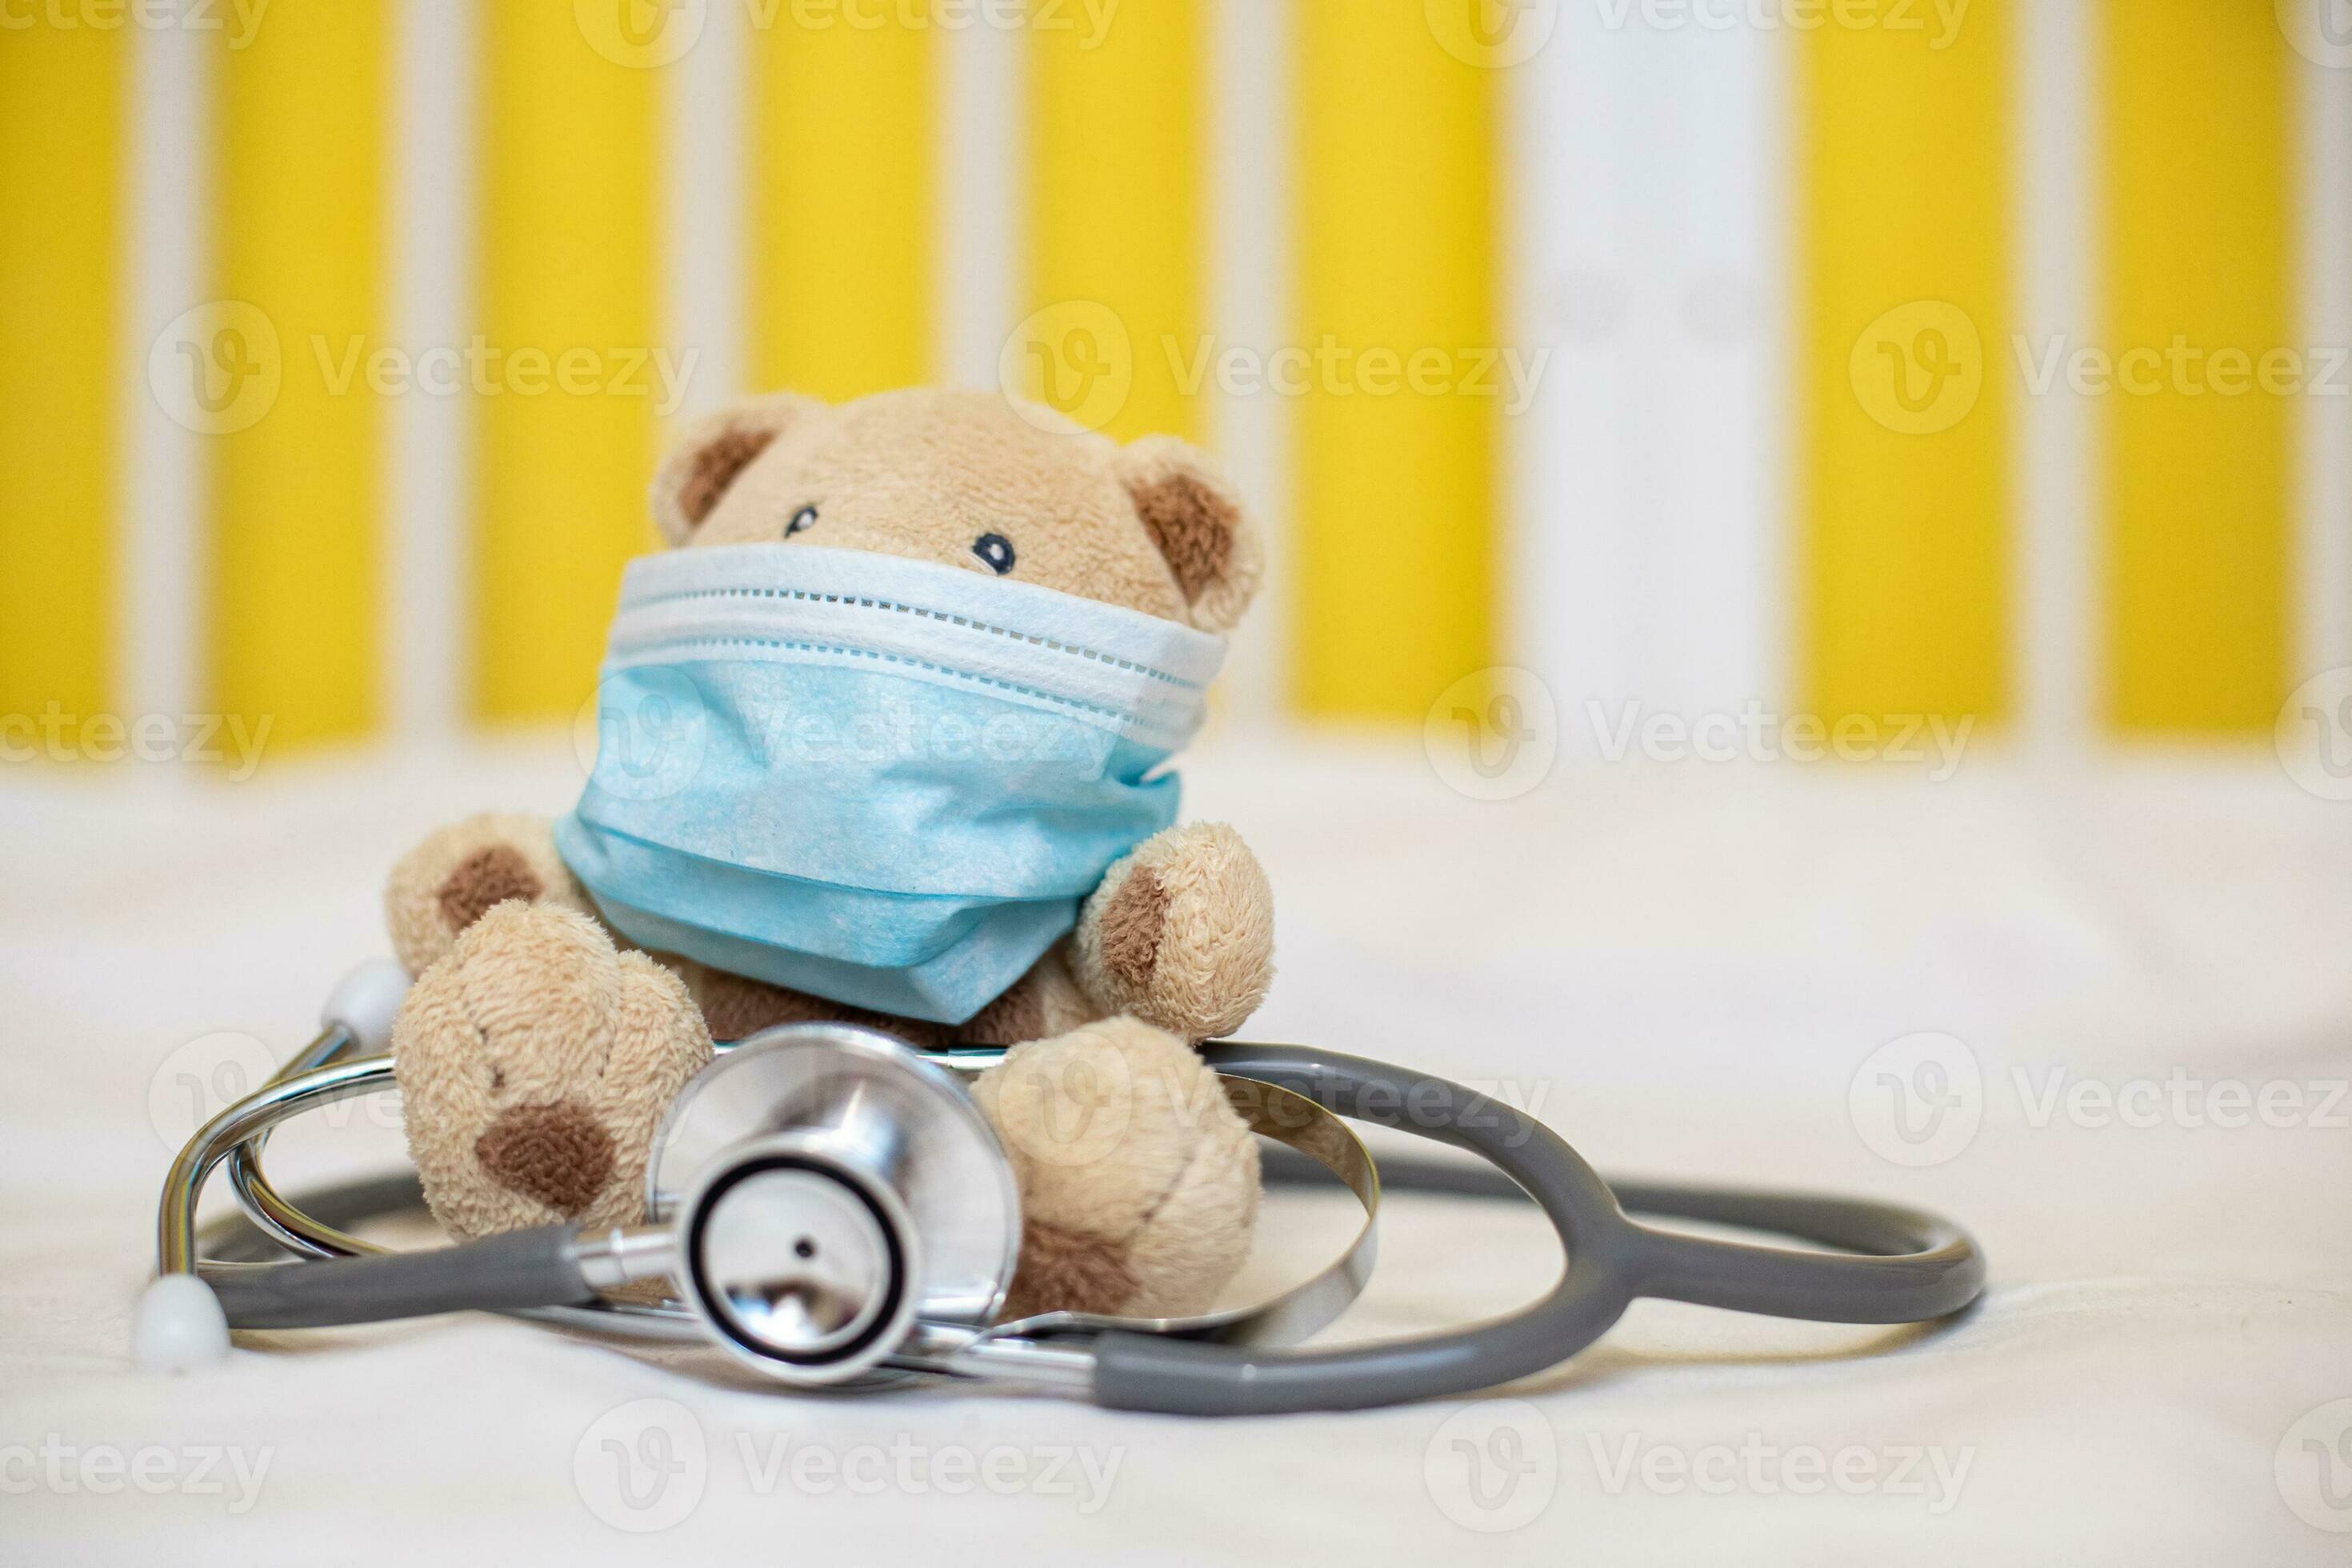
366 1003
180 1325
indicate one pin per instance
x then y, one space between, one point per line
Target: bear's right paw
535 1063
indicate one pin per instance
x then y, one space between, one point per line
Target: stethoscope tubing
1892 1264
1917 1266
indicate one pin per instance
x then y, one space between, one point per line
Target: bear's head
968 479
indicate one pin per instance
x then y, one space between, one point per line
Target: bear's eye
996 550
803 519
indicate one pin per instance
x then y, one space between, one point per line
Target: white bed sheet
1680 968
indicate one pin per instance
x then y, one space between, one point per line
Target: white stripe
1249 204
166 468
2324 553
1646 556
705 199
427 496
983 85
2055 659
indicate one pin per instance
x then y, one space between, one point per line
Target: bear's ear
712 451
1196 518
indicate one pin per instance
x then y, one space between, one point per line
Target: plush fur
1155 527
446 882
1139 1182
535 1062
537 1053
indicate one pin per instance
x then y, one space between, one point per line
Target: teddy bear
538 1049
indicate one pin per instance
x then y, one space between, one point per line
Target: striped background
1687 212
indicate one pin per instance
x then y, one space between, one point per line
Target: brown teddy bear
537 1052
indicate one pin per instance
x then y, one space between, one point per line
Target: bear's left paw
1181 933
1138 1180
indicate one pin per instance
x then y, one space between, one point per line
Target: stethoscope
826 1205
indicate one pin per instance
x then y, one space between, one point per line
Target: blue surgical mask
888 783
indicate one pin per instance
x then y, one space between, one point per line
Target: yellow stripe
568 227
2198 245
843 198
1905 225
1116 169
61 200
300 240
1397 490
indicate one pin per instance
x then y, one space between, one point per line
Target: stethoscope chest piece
828 1189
